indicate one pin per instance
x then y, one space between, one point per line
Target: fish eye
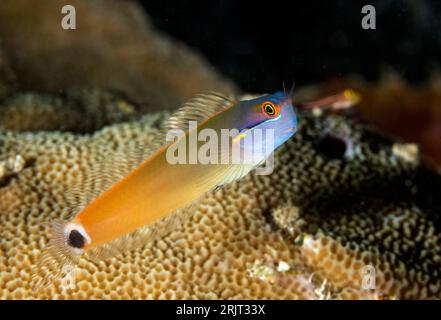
269 109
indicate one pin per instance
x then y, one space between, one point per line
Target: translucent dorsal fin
108 167
199 108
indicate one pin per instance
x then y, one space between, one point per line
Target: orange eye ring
269 109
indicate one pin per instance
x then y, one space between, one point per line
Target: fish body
158 188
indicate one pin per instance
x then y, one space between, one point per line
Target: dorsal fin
199 108
112 165
109 167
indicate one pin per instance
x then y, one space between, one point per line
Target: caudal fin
57 260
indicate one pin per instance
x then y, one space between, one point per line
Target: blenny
153 196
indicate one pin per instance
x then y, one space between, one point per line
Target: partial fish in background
336 102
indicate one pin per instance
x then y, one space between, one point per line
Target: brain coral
342 197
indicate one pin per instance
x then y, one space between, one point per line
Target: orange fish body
157 188
145 195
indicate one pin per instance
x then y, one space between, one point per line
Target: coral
113 47
208 258
375 212
73 110
302 232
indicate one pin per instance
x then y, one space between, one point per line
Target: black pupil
75 239
269 109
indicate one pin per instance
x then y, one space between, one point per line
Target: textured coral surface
208 258
341 198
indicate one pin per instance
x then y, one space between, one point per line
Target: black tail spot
76 239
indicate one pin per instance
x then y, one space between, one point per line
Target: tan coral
115 46
208 258
368 204
345 214
72 110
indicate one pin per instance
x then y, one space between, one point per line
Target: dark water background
259 44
